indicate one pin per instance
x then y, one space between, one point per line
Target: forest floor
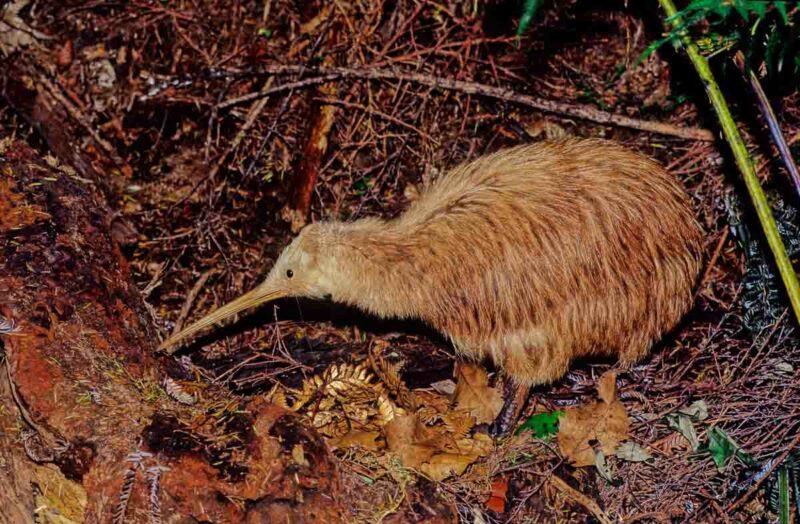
209 183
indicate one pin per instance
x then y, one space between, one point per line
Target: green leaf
542 425
781 8
650 50
759 8
722 448
529 10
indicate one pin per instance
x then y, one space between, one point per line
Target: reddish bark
310 163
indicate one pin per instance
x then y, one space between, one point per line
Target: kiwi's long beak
256 297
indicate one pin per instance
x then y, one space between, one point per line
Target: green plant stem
783 495
743 161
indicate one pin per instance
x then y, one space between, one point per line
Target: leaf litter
367 408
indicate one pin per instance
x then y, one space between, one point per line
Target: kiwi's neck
374 267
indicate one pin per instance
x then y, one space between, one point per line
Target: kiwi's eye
289 273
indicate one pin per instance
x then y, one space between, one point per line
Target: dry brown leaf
370 440
386 410
389 374
443 465
607 387
411 441
350 408
604 424
299 456
474 395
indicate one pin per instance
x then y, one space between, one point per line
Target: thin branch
772 121
743 161
580 111
589 504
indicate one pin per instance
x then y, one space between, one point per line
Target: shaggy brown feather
532 256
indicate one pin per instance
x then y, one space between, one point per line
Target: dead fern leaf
386 410
458 423
430 399
348 382
389 374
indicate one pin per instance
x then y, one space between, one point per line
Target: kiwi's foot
515 397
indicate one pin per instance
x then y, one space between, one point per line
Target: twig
581 111
190 298
743 161
81 119
381 114
252 116
590 505
772 121
713 261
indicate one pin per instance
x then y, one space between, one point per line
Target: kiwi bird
532 256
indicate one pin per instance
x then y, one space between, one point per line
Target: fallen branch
580 111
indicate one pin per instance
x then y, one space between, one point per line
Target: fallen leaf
632 452
722 448
604 424
410 440
433 400
443 465
697 410
455 461
497 500
602 466
473 393
370 440
445 387
607 387
458 423
683 425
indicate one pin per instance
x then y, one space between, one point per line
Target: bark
310 163
80 389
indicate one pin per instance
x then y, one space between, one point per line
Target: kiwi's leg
515 397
